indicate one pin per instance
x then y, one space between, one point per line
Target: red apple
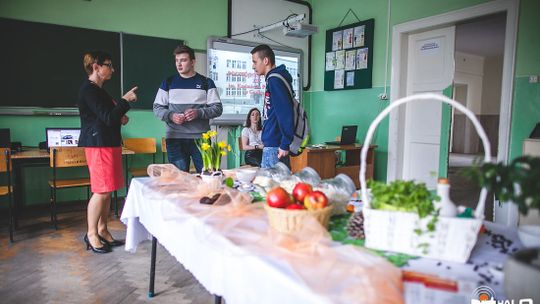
315 200
296 206
300 191
278 198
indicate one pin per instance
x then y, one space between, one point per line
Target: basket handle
479 212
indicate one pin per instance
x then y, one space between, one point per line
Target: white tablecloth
240 276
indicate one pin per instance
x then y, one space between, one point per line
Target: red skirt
105 167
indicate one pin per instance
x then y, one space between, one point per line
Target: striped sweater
177 94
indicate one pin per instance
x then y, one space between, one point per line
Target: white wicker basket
453 239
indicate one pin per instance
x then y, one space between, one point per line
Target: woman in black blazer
101 120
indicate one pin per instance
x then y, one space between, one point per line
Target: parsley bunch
406 196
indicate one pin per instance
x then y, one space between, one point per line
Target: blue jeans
179 151
269 158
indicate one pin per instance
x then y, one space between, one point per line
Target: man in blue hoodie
278 115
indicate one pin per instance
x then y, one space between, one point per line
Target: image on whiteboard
337 41
361 58
330 61
239 88
340 60
338 79
350 79
347 38
350 57
359 36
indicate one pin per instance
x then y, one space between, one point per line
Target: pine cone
355 227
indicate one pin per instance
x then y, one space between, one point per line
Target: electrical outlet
533 79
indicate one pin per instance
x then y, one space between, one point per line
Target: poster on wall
338 80
330 64
347 38
340 60
359 36
337 41
349 56
361 58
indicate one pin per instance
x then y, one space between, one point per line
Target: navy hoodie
278 128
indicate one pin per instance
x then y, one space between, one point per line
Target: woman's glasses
108 64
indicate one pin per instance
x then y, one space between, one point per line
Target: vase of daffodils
212 151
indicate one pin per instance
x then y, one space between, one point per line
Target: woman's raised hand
130 96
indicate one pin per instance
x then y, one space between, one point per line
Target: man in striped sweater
186 102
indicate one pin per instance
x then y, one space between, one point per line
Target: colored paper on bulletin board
349 48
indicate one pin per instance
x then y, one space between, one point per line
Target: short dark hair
92 57
184 49
264 51
248 119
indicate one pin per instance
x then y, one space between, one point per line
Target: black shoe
114 242
102 249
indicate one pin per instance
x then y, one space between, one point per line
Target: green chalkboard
42 64
146 62
342 72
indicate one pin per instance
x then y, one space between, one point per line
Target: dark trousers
253 157
181 150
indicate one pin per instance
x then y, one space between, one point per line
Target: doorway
401 82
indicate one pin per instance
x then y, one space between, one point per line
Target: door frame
400 35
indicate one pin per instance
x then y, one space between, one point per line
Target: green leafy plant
517 182
407 196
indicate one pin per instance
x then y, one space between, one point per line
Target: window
243 65
228 63
234 64
228 77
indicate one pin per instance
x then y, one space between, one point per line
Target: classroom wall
192 21
361 106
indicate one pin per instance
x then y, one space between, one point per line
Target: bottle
446 207
339 191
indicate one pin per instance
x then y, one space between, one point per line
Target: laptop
348 136
5 138
62 137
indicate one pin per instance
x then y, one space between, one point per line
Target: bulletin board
349 56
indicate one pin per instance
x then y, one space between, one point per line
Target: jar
308 175
270 177
339 191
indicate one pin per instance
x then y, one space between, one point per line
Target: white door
430 69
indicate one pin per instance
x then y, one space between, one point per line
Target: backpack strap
291 94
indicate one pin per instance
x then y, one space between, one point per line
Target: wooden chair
141 146
164 149
5 166
64 158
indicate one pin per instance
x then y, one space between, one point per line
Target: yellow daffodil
222 145
229 148
205 146
205 136
212 133
223 153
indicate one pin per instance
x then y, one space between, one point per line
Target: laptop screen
62 137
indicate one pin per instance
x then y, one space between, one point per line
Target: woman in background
251 138
101 119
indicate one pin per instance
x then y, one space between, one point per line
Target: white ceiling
482 36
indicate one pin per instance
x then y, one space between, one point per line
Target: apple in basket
278 198
300 191
315 200
296 206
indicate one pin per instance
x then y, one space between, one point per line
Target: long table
228 270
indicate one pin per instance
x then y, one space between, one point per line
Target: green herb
229 182
406 196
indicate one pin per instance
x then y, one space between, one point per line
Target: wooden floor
48 266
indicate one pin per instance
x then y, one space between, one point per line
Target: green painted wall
191 21
330 110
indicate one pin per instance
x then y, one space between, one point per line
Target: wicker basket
290 221
453 238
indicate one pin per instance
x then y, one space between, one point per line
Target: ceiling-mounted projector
300 30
